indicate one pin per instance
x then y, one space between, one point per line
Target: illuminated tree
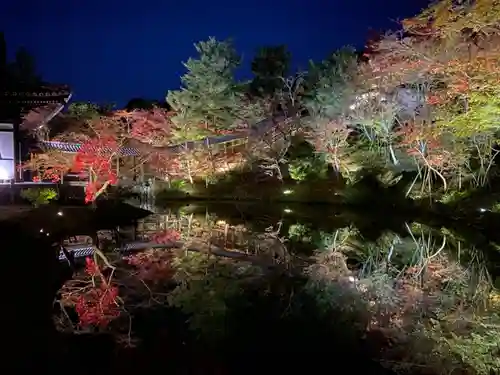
449 56
269 150
429 151
152 127
95 296
330 139
208 97
101 138
83 110
165 165
49 166
95 160
330 85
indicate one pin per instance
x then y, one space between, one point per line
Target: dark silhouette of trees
18 73
147 104
270 66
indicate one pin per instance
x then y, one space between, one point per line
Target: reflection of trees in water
210 231
415 286
417 289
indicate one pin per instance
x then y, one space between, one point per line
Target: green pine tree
209 99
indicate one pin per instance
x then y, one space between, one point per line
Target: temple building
27 104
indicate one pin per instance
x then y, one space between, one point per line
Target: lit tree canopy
330 84
451 54
208 97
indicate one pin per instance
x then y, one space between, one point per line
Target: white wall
7 152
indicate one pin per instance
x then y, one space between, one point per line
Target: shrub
39 197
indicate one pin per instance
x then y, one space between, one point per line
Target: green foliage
208 97
479 348
298 232
311 167
39 197
206 284
83 110
482 115
304 163
178 184
454 197
329 84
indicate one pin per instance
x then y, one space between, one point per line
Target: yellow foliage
449 19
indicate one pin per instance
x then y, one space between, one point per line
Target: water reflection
228 272
294 233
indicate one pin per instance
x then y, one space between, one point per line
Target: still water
297 232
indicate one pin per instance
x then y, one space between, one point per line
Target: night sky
110 51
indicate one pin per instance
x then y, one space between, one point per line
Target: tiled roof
258 130
20 103
37 96
84 250
74 147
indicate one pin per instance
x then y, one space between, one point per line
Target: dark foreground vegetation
241 287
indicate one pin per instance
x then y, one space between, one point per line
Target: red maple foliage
165 164
51 174
94 159
91 267
49 166
166 237
98 305
154 126
152 265
421 142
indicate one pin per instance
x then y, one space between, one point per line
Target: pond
304 229
248 275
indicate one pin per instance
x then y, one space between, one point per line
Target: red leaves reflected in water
459 86
91 267
166 237
152 265
97 306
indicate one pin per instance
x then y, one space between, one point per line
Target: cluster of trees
21 71
421 100
210 103
407 288
425 100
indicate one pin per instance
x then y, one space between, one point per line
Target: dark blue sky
111 51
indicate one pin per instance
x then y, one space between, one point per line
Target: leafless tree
269 149
289 94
